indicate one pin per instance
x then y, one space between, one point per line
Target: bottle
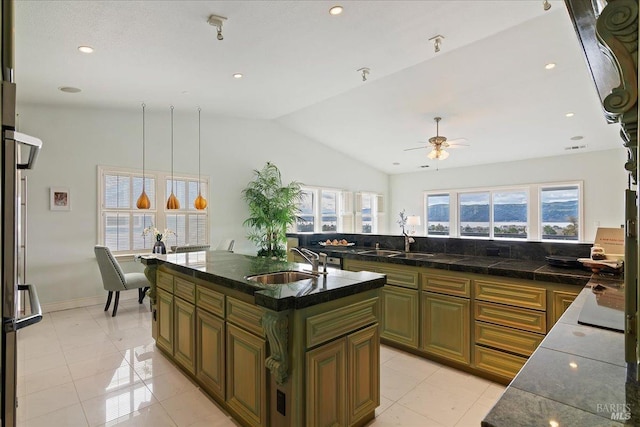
377 246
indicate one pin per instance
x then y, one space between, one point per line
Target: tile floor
82 367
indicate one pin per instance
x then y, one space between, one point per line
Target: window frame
317 209
534 213
160 212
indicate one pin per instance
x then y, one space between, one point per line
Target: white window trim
317 208
160 211
534 231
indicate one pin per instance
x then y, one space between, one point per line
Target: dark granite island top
577 377
229 269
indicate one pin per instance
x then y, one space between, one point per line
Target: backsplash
470 247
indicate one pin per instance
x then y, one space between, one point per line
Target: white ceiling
488 82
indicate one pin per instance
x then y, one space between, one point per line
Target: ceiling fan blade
458 145
417 148
455 141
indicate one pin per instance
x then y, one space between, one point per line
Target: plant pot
159 248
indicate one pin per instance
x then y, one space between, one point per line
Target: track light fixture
216 21
546 5
437 41
364 71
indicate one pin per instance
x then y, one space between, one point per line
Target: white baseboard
84 302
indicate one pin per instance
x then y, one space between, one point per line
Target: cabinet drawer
528 320
165 281
247 316
209 300
400 276
500 337
506 293
335 323
447 285
497 362
185 290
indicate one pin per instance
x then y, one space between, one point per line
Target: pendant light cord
198 150
143 178
172 149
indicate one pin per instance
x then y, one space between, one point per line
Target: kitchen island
291 354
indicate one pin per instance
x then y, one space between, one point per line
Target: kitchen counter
229 270
497 266
577 377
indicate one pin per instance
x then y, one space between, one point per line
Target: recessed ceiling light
237 76
569 114
395 163
335 10
423 166
574 365
69 89
550 66
85 49
576 138
185 92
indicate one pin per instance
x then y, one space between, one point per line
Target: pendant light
143 201
172 201
200 202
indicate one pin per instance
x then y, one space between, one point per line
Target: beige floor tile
387 353
73 313
445 406
414 366
33 347
169 384
41 363
87 368
384 405
69 416
90 351
107 382
149 416
394 384
453 380
69 343
111 406
43 402
43 380
473 417
491 394
148 363
397 415
190 407
216 421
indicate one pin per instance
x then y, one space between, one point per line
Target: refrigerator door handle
36 309
35 144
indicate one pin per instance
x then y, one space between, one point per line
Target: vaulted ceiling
299 64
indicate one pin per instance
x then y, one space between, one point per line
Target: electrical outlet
281 402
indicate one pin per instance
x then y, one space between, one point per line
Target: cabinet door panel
400 315
210 352
246 376
184 334
561 301
446 326
363 354
326 385
164 316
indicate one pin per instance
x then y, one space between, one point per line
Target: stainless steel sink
281 277
414 255
381 252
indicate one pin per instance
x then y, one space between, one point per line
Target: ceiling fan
439 144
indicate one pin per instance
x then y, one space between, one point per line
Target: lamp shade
413 220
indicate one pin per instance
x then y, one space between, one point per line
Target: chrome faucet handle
323 260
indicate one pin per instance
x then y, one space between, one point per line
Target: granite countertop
229 270
576 377
497 266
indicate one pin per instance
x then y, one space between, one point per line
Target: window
122 223
324 217
531 212
510 217
369 212
560 212
474 214
437 214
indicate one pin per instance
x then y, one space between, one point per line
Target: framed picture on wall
60 199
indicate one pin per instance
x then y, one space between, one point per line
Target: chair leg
141 293
106 307
115 304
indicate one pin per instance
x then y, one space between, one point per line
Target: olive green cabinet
210 352
246 376
330 400
164 318
400 319
184 349
446 326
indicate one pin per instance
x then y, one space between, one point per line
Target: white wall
602 172
76 141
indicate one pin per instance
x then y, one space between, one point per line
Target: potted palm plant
272 208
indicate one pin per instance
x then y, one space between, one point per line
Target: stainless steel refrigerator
18 153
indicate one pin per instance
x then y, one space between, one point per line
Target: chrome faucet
408 240
312 258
